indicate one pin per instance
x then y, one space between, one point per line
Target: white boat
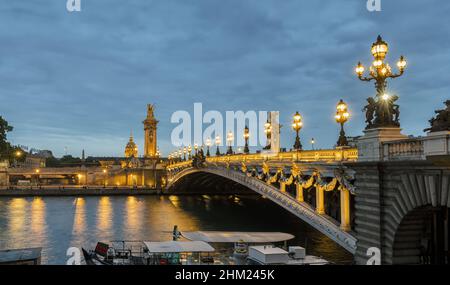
151 253
271 255
248 248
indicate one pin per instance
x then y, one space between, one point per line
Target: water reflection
133 214
55 223
104 217
17 211
79 220
38 220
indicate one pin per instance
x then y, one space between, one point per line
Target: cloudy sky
82 80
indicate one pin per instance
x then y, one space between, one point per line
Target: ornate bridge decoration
270 178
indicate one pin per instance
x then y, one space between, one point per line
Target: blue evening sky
82 80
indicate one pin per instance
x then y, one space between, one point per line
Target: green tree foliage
7 151
4 129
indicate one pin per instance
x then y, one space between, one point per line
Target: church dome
131 150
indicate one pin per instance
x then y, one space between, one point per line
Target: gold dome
131 150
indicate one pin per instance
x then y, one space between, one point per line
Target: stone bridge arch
400 208
307 213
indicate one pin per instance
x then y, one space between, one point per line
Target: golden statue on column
150 145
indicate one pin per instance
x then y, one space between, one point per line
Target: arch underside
416 218
242 182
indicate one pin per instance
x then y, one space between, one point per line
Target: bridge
390 204
286 179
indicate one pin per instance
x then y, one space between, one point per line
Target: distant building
131 149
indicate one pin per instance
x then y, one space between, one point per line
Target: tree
7 151
4 129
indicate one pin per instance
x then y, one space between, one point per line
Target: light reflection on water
56 223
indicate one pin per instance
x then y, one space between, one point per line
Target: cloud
83 79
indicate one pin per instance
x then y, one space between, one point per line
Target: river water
57 223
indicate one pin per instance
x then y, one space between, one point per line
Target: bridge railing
344 154
407 149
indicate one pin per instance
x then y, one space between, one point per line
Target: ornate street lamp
313 141
230 138
184 152
342 116
297 125
218 142
189 151
246 137
208 145
268 132
196 148
381 111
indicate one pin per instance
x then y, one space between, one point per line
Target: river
57 223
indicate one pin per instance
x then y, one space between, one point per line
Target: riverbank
94 191
27 192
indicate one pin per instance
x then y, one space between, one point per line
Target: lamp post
246 137
184 153
218 142
208 145
105 172
196 149
342 116
268 132
313 141
17 156
189 152
230 138
381 111
297 125
37 171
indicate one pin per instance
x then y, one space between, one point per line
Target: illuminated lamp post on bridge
246 137
342 116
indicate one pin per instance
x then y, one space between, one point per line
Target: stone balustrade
407 149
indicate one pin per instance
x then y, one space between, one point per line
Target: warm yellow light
218 140
385 96
104 170
208 142
18 153
37 170
230 136
342 114
359 69
377 63
401 63
379 49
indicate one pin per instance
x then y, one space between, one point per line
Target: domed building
131 149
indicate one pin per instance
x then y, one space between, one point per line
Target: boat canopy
232 237
178 246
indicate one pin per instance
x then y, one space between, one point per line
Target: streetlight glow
342 116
